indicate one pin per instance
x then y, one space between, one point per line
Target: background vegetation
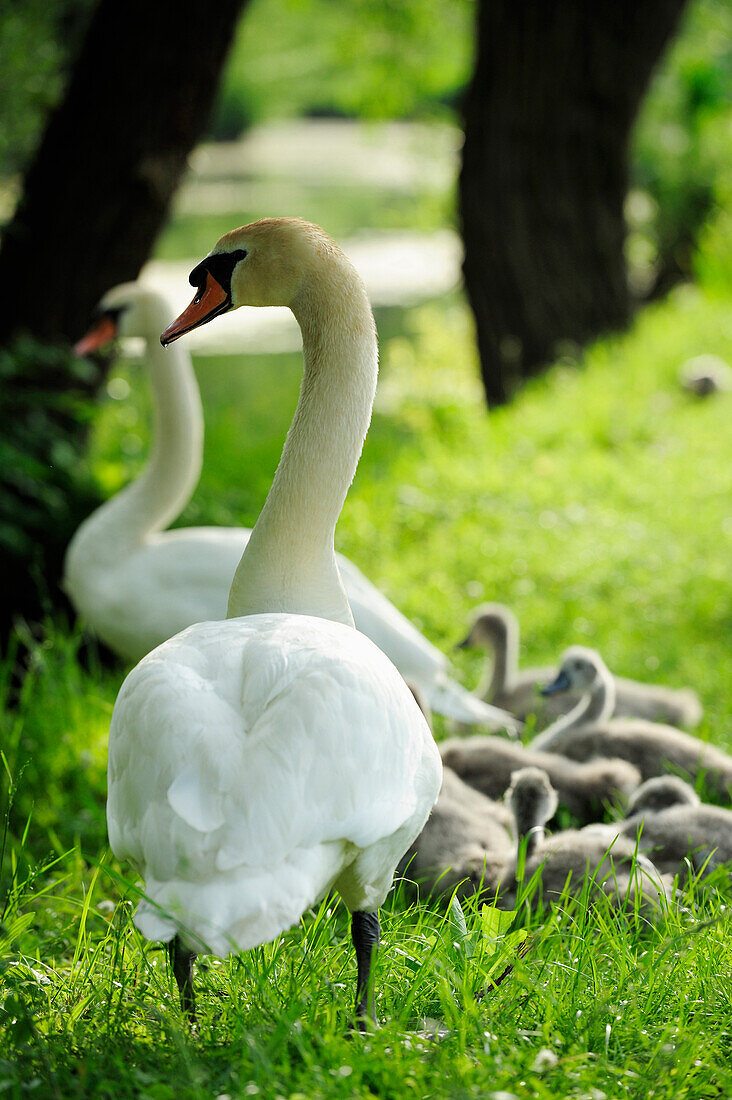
407 59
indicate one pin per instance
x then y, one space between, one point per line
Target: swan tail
452 700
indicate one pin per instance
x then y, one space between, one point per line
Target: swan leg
365 932
181 961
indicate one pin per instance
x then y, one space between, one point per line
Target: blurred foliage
343 212
712 259
682 146
42 502
37 40
369 58
395 59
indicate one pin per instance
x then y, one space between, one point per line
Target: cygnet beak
466 643
561 683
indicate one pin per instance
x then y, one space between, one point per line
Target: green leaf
495 922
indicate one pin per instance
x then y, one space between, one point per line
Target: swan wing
447 697
420 663
377 617
158 589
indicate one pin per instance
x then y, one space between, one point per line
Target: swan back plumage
258 759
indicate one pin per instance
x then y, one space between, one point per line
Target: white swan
495 627
137 584
258 762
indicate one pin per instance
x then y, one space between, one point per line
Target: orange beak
102 332
211 300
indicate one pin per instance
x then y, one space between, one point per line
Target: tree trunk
94 200
98 192
548 117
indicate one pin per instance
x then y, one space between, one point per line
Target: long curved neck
166 484
289 563
504 664
596 705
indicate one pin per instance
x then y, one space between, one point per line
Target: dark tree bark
97 194
94 200
548 115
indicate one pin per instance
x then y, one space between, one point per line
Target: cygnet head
490 626
581 669
130 309
659 793
271 262
532 800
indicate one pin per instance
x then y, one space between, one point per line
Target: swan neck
154 499
504 664
172 473
289 564
595 706
601 703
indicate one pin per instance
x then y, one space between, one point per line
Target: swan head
267 263
582 669
492 624
130 309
